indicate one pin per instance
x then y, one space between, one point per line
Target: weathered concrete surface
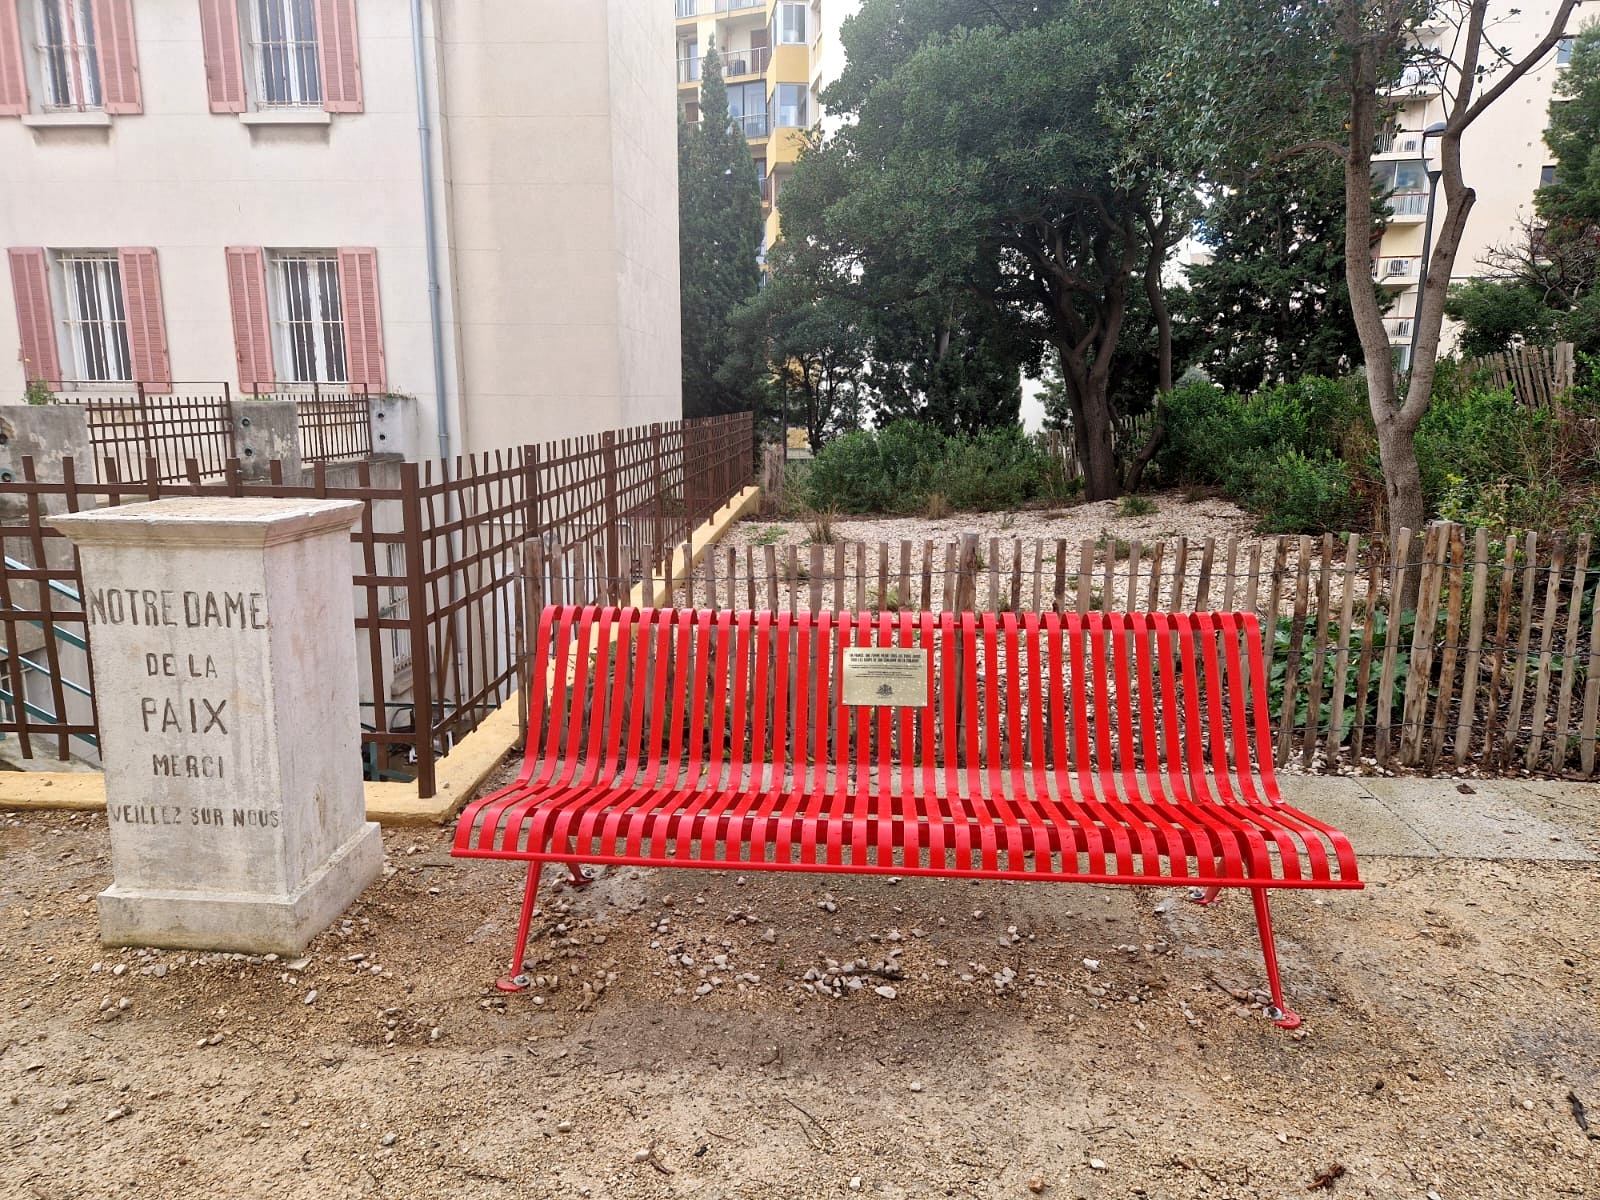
229 720
1547 820
266 431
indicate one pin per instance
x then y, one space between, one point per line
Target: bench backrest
654 698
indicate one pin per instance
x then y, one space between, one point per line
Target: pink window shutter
219 42
252 324
30 284
13 79
147 326
363 318
119 56
341 55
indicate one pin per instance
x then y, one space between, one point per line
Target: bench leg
576 876
1280 1014
516 979
1204 896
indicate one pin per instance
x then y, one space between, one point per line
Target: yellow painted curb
458 775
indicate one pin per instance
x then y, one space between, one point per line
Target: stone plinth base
246 924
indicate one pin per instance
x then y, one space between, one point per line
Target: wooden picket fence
1490 671
1539 375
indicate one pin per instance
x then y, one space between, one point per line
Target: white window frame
68 72
94 321
283 47
308 317
787 9
1564 51
801 111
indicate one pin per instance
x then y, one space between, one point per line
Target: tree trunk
1402 477
1095 448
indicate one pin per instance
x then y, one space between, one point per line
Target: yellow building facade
772 56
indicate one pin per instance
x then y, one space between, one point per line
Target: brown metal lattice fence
433 569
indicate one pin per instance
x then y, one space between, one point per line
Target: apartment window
789 106
1563 52
688 62
747 108
95 324
1547 175
69 64
308 318
283 35
789 25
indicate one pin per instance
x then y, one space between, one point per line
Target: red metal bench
1103 748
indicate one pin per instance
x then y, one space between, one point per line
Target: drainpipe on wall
430 232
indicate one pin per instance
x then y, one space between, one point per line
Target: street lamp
1434 130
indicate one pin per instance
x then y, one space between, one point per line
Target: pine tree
720 230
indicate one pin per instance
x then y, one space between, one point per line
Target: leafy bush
998 468
910 467
1298 494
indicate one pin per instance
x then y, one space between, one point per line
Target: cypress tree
720 229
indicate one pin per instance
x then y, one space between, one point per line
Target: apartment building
468 201
1503 158
777 56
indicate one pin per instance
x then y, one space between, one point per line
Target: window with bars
308 318
95 322
69 62
283 35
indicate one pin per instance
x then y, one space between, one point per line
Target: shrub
1298 494
998 468
911 467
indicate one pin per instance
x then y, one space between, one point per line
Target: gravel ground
675 1049
1115 536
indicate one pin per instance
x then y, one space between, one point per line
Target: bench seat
1096 748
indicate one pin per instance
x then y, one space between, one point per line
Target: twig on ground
808 1116
1324 1179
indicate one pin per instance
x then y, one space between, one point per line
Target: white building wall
1502 152
533 280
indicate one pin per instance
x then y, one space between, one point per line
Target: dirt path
1450 1009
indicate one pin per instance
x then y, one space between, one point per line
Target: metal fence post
608 451
417 621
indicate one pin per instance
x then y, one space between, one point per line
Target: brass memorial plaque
875 675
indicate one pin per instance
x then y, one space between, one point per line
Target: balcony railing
728 6
1398 141
754 124
689 69
1408 204
1398 328
1395 270
750 61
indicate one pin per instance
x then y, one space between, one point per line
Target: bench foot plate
512 983
1204 896
1283 1018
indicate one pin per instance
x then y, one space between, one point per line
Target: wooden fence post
1414 710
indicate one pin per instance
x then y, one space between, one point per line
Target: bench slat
1098 746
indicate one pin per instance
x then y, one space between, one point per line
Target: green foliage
1228 439
1135 506
1301 456
1572 203
911 467
1295 493
770 536
1497 315
720 229
38 391
1272 304
997 190
1357 709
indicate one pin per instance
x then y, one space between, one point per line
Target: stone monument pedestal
223 639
